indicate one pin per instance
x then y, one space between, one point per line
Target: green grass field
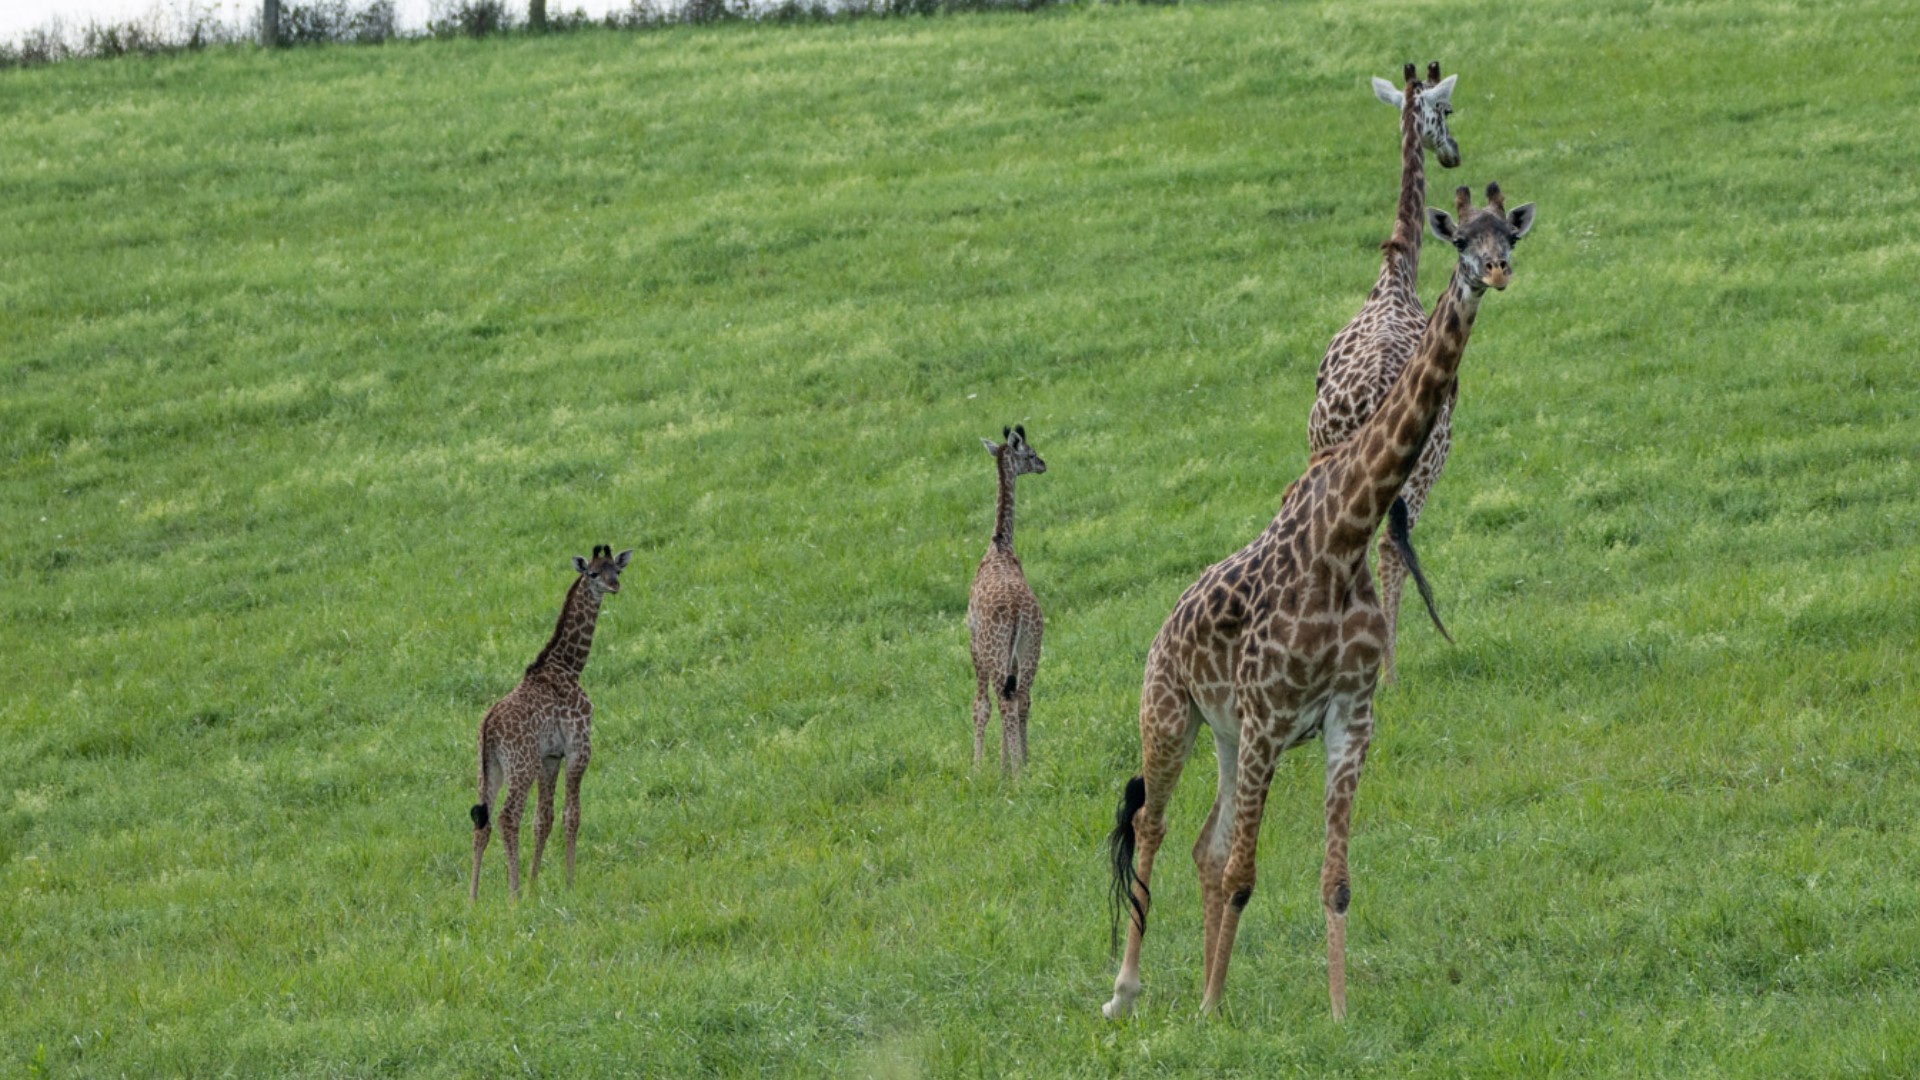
317 367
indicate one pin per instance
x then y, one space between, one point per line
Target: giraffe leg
1210 848
1255 773
1167 728
1346 738
982 713
1022 704
483 821
1009 742
510 810
480 838
543 803
576 769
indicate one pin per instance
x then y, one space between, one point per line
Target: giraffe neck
1003 506
1384 452
572 639
1402 268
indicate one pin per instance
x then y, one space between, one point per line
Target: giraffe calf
1003 617
544 724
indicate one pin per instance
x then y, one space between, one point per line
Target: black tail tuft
1013 683
1401 536
479 815
1120 854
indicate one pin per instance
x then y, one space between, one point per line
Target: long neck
1003 506
1383 453
572 639
1402 266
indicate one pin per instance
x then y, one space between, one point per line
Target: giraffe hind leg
1167 728
482 814
543 802
511 809
576 771
982 713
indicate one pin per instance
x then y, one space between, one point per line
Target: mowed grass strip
319 365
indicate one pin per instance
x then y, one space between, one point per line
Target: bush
327 21
469 18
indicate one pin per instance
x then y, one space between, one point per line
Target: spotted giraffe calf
1003 617
545 723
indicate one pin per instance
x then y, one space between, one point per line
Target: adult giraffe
1283 640
1367 354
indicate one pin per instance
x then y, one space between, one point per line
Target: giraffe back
547 716
1003 617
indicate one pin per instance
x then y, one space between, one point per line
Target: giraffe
546 722
1283 639
1003 618
1363 359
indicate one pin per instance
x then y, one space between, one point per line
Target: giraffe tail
480 813
1012 684
1401 535
1120 843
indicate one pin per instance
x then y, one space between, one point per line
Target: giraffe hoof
1117 1009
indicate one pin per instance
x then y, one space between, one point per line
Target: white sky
19 16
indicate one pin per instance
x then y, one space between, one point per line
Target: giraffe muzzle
1499 276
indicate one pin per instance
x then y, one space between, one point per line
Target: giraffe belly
555 744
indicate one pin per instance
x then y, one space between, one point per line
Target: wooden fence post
269 23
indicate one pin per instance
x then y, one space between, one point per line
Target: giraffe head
1484 237
1022 457
602 572
1432 104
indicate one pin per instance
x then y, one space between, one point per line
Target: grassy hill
317 367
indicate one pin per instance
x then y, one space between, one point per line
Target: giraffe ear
620 560
580 564
1387 92
1443 93
1442 225
991 449
1521 218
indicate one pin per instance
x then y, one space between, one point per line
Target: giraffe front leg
1346 739
543 802
576 770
